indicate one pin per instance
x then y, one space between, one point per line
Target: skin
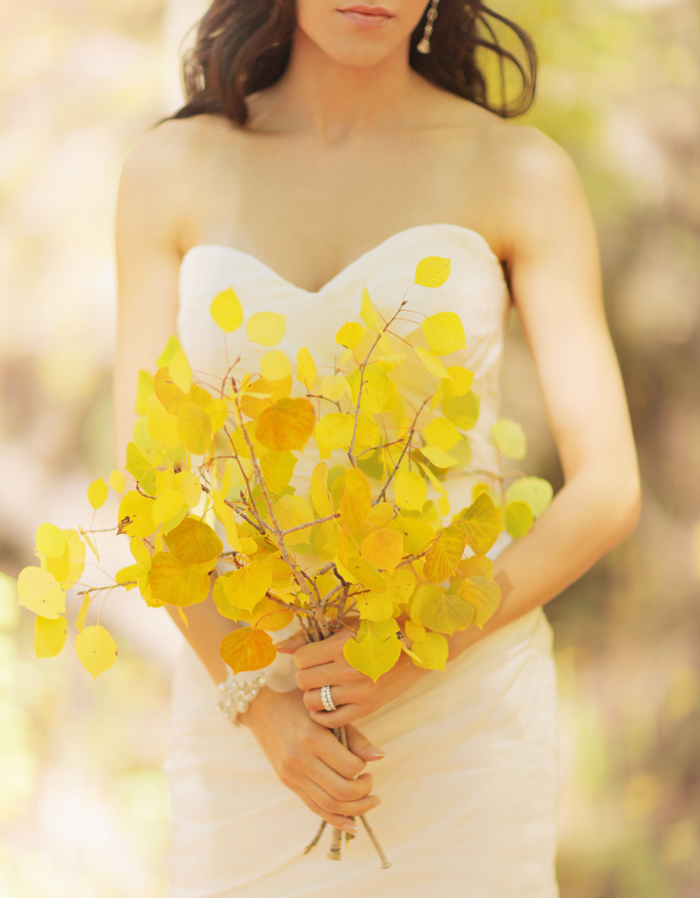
352 128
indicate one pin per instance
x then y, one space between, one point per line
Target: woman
327 145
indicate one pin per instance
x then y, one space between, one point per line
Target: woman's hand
310 761
354 694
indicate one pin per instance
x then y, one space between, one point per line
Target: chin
348 43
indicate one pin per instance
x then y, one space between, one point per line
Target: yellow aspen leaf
459 382
138 465
180 370
442 433
287 425
318 491
191 487
224 514
432 271
306 368
218 411
89 542
171 347
334 431
432 651
127 576
194 428
49 636
278 469
194 542
117 481
165 482
201 397
356 499
169 394
248 546
84 608
481 524
380 515
97 493
443 506
174 582
135 515
376 389
461 410
226 609
365 573
410 490
509 438
431 362
462 451
333 387
183 616
96 650
270 615
73 559
349 335
40 591
383 549
436 484
162 426
375 649
476 566
144 389
226 310
247 586
261 394
375 606
367 434
438 457
416 534
444 333
294 511
248 648
484 595
139 552
443 556
50 540
533 490
445 612
275 365
518 518
415 632
402 584
166 506
266 328
367 313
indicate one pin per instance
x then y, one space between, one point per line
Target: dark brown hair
243 46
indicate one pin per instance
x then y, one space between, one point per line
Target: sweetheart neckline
361 258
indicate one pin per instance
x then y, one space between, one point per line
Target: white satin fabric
469 784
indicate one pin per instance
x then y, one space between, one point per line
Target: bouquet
367 547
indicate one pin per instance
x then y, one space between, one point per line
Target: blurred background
83 803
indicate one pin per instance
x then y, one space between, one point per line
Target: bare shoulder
159 178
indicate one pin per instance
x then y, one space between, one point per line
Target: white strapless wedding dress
470 781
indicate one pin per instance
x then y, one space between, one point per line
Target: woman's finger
341 695
322 652
334 755
340 718
331 805
360 745
289 645
347 824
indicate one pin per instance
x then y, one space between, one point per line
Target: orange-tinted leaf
287 425
248 649
176 583
383 549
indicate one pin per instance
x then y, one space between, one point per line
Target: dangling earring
424 43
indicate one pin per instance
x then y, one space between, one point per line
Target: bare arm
306 757
555 276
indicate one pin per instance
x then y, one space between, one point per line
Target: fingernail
374 751
349 828
376 801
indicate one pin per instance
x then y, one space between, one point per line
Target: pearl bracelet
237 696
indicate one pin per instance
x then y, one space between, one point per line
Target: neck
333 100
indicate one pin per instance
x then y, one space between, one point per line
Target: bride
327 145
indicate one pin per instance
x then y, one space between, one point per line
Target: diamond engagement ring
326 698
